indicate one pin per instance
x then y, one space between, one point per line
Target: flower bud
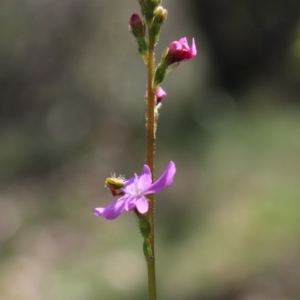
160 94
180 51
160 15
176 53
148 7
137 26
138 29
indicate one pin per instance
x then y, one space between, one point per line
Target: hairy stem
150 162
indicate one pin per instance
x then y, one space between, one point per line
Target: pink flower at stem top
135 189
180 51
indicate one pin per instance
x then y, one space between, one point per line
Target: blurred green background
72 111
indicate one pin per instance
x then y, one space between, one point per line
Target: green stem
150 162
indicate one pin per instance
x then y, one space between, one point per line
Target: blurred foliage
71 111
249 40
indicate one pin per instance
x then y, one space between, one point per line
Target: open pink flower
135 190
180 50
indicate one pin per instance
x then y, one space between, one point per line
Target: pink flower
180 50
160 95
135 190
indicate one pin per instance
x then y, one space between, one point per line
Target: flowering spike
135 190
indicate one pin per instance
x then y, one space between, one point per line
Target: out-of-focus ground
72 111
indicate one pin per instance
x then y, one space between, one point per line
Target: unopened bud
148 7
137 26
160 15
160 94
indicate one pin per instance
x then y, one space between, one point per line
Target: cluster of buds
178 51
148 7
155 15
136 193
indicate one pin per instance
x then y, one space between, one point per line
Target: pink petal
130 203
193 49
183 42
175 46
160 94
145 178
145 181
165 180
142 205
112 211
98 211
146 170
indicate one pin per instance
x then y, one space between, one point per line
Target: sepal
144 225
160 73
